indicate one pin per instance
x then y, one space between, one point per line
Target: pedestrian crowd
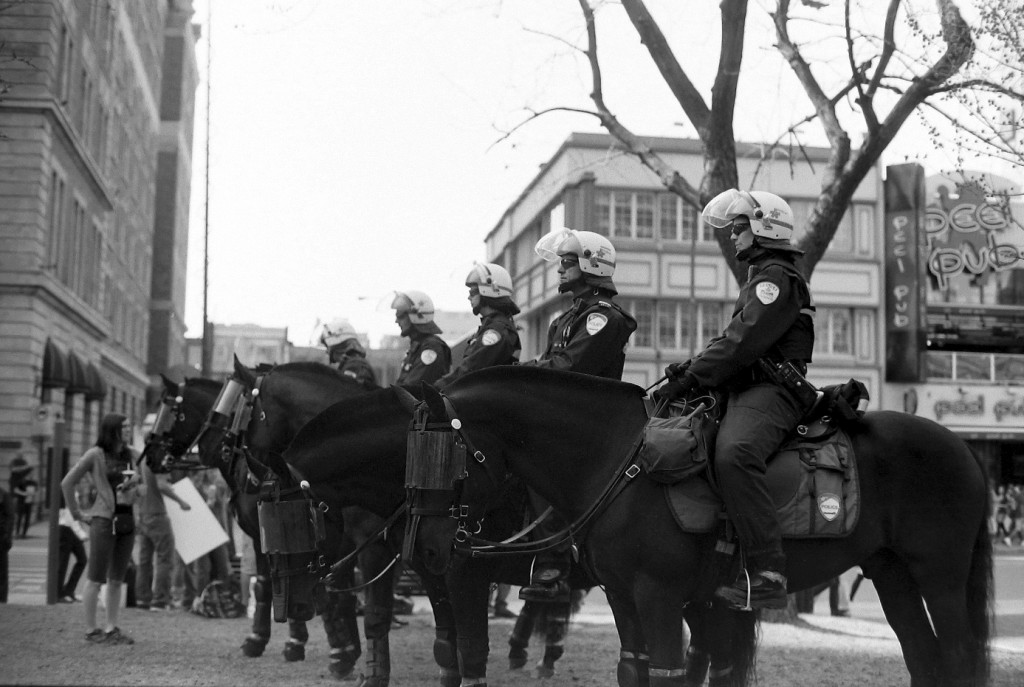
1007 522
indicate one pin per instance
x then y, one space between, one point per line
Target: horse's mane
358 412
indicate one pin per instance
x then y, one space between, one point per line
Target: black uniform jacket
496 342
427 360
773 314
360 370
590 337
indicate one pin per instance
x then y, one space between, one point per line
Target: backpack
219 600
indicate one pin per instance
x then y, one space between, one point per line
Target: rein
381 532
480 548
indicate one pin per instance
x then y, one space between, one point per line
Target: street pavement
28 561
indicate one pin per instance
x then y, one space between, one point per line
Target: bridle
170 413
466 539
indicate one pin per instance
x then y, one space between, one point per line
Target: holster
786 375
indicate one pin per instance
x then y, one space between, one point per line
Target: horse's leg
697 658
256 642
377 614
469 586
520 638
445 636
556 625
632 670
901 601
298 635
342 629
660 612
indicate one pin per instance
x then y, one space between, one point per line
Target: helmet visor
725 207
554 244
401 303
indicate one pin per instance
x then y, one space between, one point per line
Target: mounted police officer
340 339
428 357
496 342
590 338
772 330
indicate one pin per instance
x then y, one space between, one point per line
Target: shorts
108 553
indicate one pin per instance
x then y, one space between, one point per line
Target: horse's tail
980 591
552 619
746 628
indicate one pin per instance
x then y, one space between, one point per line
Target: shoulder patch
490 337
428 356
595 322
767 292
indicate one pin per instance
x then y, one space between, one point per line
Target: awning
56 374
97 387
78 378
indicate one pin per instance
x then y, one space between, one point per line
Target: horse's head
436 478
178 422
293 532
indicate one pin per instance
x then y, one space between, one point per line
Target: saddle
812 478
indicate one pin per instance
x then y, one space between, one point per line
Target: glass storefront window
939 365
1009 368
976 366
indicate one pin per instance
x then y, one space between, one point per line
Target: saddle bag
676 447
826 500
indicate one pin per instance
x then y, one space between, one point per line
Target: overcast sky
356 146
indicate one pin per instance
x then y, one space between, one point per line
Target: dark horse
289 394
921 537
183 411
358 448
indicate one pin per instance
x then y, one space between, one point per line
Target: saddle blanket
814 484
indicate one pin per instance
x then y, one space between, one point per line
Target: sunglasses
738 229
568 263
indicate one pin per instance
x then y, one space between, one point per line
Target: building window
833 331
645 216
643 312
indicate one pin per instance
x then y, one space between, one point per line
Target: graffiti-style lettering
961 406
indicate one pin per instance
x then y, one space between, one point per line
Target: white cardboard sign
196 531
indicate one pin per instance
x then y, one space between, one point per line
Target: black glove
676 370
677 388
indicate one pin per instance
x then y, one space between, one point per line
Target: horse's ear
407 400
243 374
432 397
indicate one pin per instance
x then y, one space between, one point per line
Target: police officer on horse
771 330
590 337
496 341
340 339
428 357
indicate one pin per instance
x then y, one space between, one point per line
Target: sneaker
159 607
96 636
115 636
68 599
766 589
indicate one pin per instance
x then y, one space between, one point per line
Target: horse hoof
253 648
373 681
294 652
542 671
341 670
516 662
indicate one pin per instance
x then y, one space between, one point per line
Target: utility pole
206 357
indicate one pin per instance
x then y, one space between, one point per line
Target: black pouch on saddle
676 447
826 498
122 523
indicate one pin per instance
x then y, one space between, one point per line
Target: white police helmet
337 331
595 252
491 280
416 304
770 216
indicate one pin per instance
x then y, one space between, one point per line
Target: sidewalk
27 567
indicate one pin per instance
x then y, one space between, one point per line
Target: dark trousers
70 545
24 519
3 574
556 556
757 421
